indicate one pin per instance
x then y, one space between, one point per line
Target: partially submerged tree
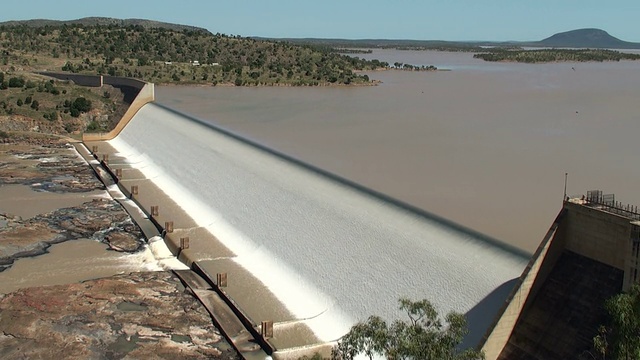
423 337
620 340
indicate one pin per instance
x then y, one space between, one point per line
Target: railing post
221 280
266 329
168 226
184 243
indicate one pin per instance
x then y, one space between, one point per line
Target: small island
554 55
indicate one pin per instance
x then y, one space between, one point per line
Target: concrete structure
304 249
300 254
589 255
145 95
136 93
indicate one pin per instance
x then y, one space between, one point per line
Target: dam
303 248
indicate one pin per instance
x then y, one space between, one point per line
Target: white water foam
329 253
291 289
155 256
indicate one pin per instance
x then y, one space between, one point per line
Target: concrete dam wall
322 252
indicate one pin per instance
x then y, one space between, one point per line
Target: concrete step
223 316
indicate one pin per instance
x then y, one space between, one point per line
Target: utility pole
564 198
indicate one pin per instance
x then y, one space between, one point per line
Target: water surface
486 145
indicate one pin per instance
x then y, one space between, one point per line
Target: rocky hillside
167 55
35 103
104 21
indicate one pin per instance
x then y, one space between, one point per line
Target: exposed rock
52 167
101 219
140 315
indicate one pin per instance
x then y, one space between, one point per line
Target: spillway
330 253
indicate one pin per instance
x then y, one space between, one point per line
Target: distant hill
587 38
581 38
104 21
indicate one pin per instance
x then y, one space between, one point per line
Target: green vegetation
620 339
163 55
553 55
424 336
58 106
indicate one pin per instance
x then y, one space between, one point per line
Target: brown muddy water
68 262
486 145
23 201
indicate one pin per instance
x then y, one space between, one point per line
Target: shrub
16 82
81 104
93 126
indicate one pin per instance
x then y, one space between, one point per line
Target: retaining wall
145 96
530 281
78 79
598 235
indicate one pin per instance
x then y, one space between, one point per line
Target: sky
455 20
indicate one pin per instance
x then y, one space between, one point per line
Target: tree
81 104
424 336
35 105
620 340
16 82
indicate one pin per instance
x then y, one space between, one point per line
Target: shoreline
88 262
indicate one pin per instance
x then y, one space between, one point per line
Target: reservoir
486 145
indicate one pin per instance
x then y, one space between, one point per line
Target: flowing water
325 249
486 145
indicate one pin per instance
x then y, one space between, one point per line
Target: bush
81 104
19 102
93 126
16 82
28 100
35 105
3 134
52 116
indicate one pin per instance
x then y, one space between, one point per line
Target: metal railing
607 202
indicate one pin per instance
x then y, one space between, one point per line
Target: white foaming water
282 279
329 253
155 256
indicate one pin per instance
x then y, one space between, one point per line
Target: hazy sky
403 19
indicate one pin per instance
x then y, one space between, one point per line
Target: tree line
163 55
554 55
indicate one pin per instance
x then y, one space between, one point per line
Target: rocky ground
135 316
46 163
100 219
49 164
140 315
